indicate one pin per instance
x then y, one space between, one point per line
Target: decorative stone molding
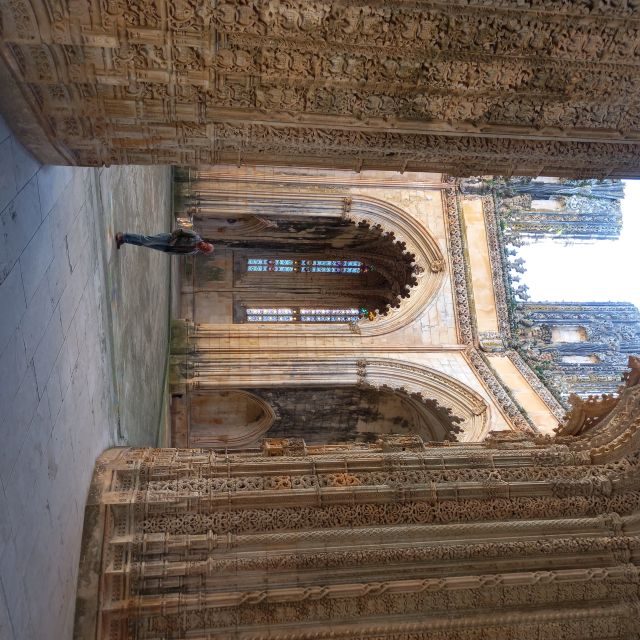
458 264
466 327
496 262
417 382
519 537
332 179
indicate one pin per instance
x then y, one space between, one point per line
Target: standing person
181 241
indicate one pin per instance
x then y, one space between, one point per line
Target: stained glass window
306 266
269 264
270 315
287 314
329 315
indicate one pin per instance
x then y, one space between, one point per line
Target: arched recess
417 382
320 415
256 208
228 419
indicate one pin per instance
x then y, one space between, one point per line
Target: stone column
519 537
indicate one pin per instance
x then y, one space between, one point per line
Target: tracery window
289 314
306 266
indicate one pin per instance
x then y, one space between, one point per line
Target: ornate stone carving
275 447
586 414
508 405
488 88
497 270
456 252
515 538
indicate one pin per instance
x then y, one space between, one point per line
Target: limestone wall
426 345
474 88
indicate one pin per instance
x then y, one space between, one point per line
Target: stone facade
519 537
469 88
580 346
573 347
561 209
420 352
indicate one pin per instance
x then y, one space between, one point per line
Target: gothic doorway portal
320 261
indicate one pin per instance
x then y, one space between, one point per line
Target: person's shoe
119 240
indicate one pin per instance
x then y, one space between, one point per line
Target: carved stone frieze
466 88
458 264
497 267
317 559
514 538
574 478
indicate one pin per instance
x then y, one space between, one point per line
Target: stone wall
487 87
518 538
427 345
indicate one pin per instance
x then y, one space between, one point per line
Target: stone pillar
519 537
467 88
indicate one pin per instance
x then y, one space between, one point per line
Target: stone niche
228 419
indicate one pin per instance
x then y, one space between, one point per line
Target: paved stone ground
83 338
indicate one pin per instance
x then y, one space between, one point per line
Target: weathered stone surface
488 87
514 538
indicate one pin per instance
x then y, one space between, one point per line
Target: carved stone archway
417 381
228 419
413 238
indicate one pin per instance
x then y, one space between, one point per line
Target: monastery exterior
355 449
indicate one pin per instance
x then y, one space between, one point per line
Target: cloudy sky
602 271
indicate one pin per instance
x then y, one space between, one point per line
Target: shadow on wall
319 415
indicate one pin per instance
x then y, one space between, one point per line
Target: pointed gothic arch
418 383
228 418
249 209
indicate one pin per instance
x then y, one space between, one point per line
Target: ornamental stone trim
520 536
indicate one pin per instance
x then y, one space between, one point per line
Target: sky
606 270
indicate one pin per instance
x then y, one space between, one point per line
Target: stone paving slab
140 277
83 339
